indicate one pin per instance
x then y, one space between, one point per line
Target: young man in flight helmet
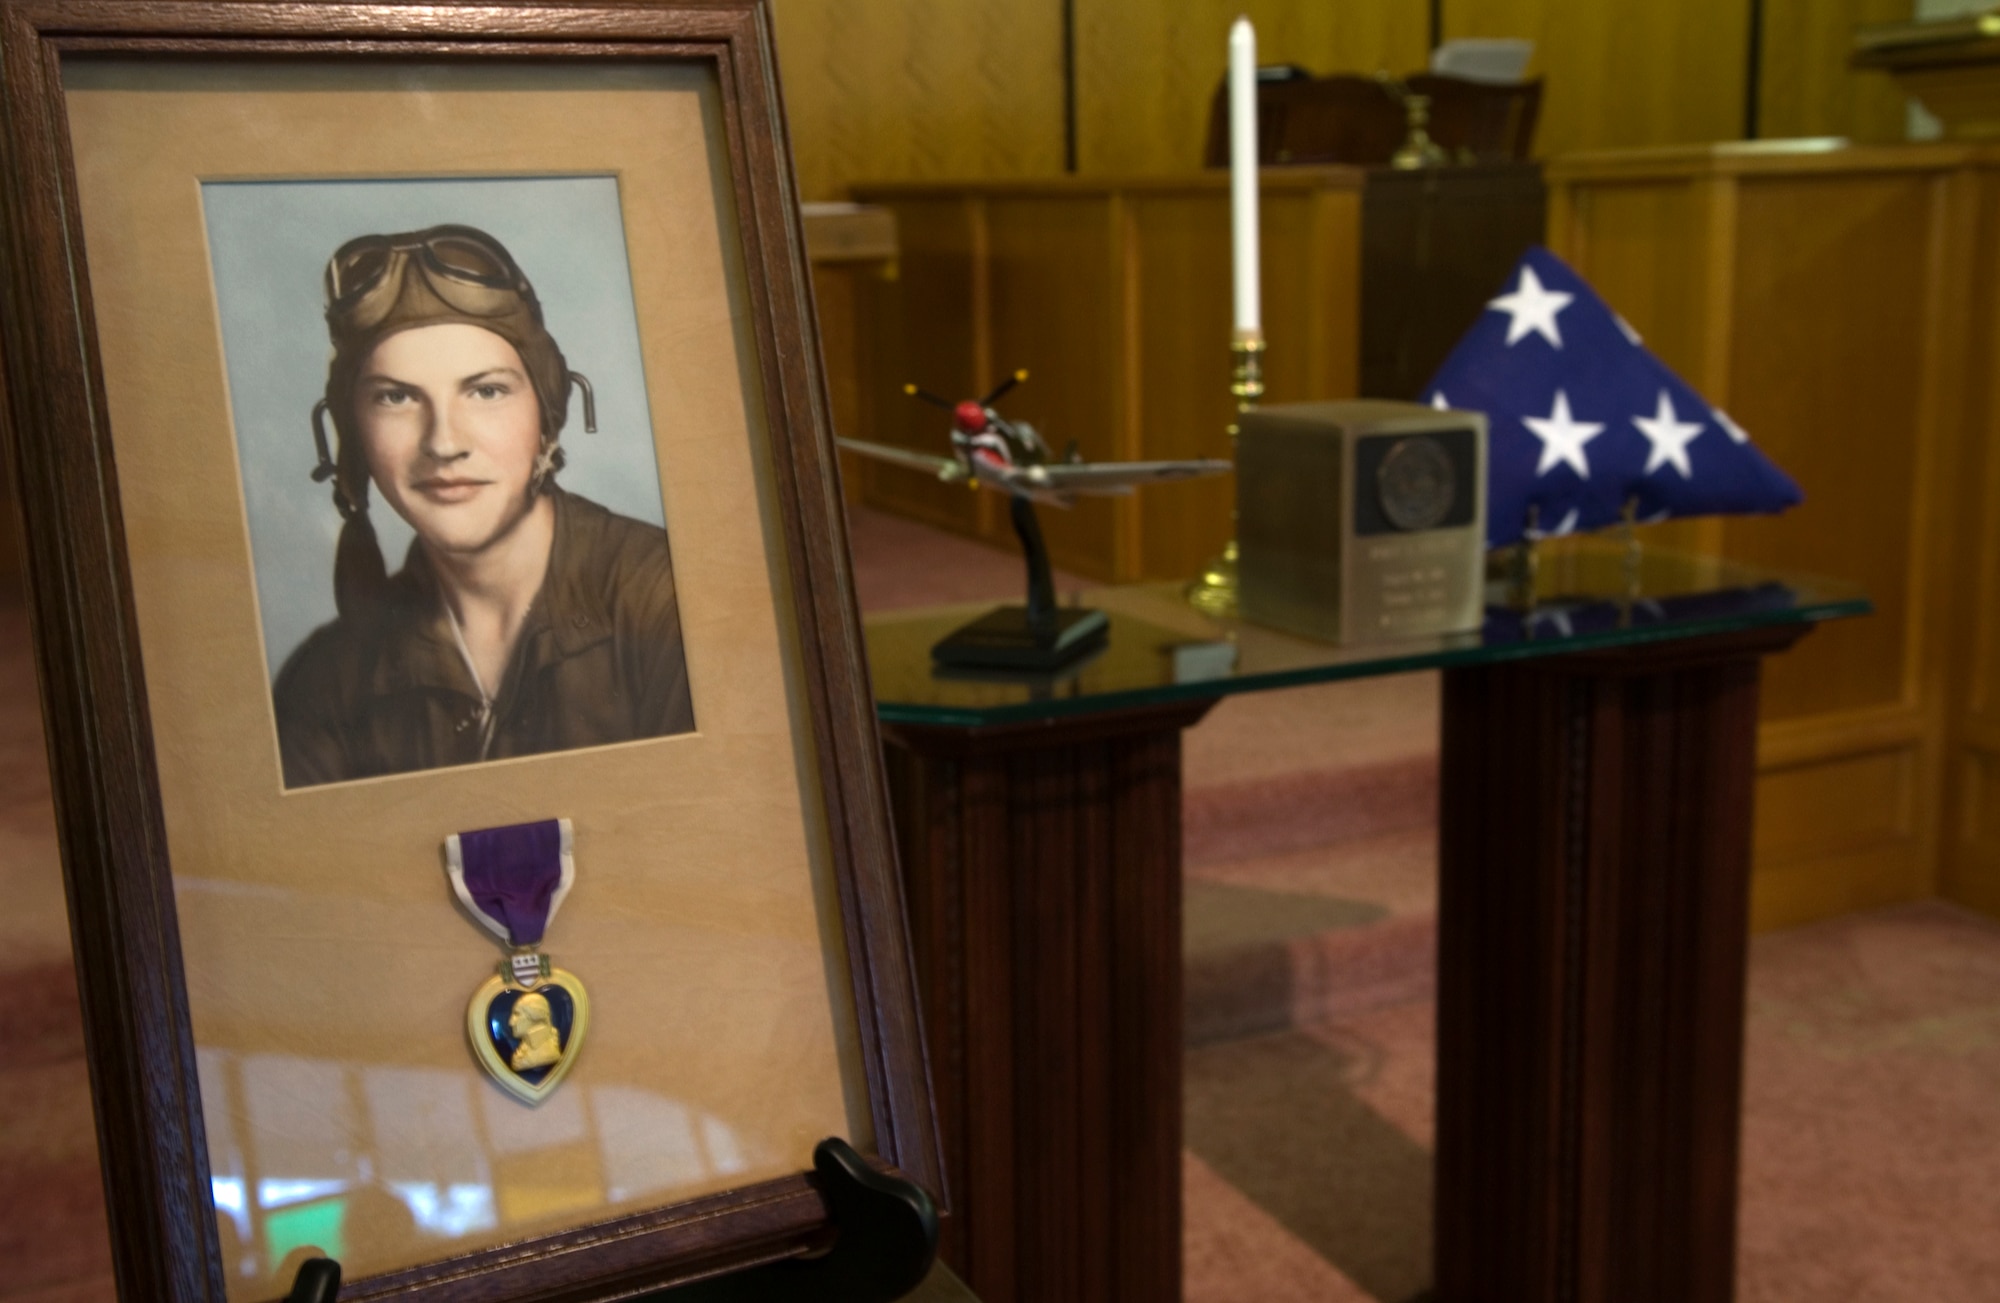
525 619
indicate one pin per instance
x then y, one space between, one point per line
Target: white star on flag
1625 329
1729 427
1670 437
1531 309
1562 435
1438 401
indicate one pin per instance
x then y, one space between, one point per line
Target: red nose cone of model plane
969 417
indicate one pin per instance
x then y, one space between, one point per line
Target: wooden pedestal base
1042 867
1593 926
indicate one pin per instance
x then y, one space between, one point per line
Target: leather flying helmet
378 285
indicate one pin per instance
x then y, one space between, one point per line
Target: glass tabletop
1589 595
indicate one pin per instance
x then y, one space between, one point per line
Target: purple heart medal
527 1022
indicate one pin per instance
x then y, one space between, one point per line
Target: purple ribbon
512 874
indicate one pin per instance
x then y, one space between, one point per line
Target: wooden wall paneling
1972 878
1817 296
1624 75
1950 455
1805 85
1312 300
847 248
1057 311
942 282
835 302
1311 290
1128 270
1828 344
1850 315
915 88
1146 71
1971 869
1184 406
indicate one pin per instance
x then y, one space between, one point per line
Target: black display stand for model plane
885 1241
1040 636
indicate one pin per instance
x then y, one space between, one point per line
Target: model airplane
996 453
993 452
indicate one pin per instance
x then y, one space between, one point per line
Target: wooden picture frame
99 495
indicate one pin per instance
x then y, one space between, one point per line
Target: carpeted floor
1872 1113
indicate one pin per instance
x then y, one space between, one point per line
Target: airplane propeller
1000 390
929 397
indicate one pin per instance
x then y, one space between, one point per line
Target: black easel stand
318 1281
1038 636
885 1241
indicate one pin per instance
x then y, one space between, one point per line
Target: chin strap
328 470
547 462
582 382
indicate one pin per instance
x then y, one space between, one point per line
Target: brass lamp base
1213 591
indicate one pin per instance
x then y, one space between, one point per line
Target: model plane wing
948 469
1123 476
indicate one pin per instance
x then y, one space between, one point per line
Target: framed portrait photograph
471 806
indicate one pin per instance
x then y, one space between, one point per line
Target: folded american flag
1584 419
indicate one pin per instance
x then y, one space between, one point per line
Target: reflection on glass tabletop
1588 596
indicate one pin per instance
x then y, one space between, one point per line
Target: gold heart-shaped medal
527 1022
527 1026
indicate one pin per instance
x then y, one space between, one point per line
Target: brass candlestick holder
1214 592
1418 149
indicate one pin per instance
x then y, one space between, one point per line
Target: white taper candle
1243 177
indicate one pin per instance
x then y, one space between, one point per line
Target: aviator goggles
463 267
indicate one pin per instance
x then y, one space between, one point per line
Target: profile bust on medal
525 619
530 1023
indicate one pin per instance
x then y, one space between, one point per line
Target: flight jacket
599 660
